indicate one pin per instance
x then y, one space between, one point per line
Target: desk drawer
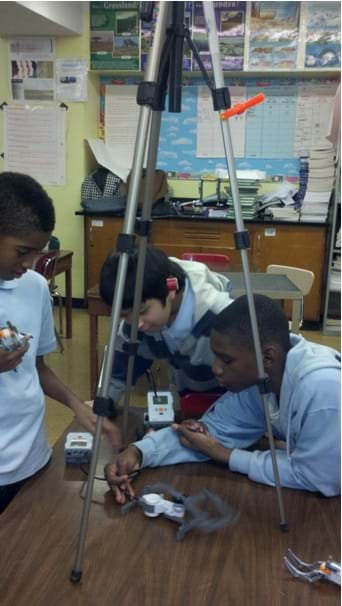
177 237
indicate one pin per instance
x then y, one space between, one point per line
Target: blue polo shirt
25 302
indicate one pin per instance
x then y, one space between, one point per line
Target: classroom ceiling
41 18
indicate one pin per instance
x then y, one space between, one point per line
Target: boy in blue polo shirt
27 219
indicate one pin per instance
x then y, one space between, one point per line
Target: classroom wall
82 121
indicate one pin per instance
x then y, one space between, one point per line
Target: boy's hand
9 360
87 419
202 442
191 425
196 426
117 473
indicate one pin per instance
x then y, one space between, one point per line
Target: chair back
302 278
216 262
194 404
46 264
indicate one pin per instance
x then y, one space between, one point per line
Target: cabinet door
177 237
100 238
298 246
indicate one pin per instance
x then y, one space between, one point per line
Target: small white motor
155 505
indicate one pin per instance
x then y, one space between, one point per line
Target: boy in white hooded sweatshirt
304 408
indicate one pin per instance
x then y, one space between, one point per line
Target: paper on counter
222 173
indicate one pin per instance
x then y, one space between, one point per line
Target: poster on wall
230 22
146 36
72 79
209 133
32 69
323 35
273 39
114 36
147 33
315 102
34 142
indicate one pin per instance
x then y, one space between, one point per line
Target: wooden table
274 286
135 561
64 265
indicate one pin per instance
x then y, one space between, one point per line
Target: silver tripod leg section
76 572
132 198
128 229
146 216
209 16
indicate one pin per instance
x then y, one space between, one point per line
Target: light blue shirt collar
9 284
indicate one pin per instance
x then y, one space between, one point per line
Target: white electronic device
160 411
78 447
154 505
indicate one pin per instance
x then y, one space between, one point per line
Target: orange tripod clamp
240 108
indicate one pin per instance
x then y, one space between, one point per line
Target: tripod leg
241 237
124 246
76 572
143 240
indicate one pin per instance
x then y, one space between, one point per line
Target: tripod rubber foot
75 576
284 526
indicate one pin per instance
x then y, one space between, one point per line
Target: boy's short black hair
158 267
24 205
273 325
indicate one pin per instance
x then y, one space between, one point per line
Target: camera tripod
165 66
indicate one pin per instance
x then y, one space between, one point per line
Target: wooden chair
46 266
214 261
302 278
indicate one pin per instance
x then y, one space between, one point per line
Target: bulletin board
253 36
294 118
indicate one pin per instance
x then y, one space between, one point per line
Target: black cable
95 477
130 476
151 382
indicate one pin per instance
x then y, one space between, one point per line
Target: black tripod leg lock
126 244
104 407
146 94
241 239
143 227
221 98
264 385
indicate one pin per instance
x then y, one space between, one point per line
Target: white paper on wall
34 142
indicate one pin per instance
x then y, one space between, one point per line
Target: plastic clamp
143 227
126 244
221 98
241 239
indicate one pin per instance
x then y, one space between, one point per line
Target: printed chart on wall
230 20
114 35
209 136
273 39
32 69
323 34
34 142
